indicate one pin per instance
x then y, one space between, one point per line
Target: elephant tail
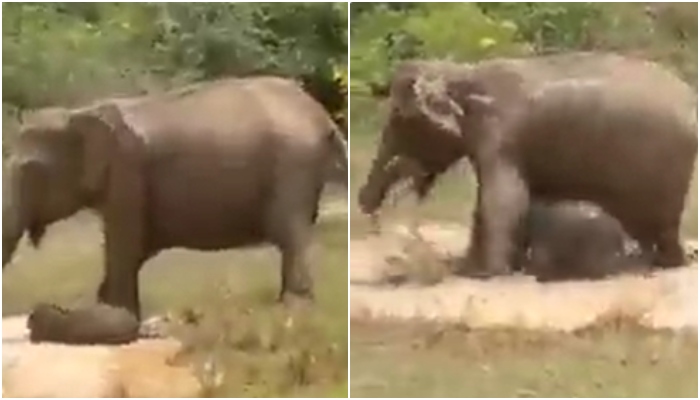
339 156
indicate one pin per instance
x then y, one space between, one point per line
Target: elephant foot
134 309
129 303
296 301
484 274
670 255
670 262
468 268
490 275
670 267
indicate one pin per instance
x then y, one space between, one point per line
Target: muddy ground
663 299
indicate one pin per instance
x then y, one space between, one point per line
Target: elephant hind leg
660 245
669 251
289 227
296 279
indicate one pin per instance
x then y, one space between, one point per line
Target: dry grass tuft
240 350
613 321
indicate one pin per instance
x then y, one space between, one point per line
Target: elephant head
60 164
436 117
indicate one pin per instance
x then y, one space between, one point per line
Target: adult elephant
217 165
615 131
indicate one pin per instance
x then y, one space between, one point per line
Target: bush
71 53
386 36
383 34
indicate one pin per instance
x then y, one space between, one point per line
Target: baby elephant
574 240
98 324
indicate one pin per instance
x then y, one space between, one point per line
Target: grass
414 359
420 360
259 347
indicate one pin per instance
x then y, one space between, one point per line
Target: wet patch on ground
662 299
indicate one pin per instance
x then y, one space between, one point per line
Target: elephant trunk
12 231
374 190
20 214
388 168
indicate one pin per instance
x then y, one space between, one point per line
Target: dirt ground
135 370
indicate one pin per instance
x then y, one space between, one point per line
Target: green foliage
549 26
66 53
388 34
51 56
383 33
665 32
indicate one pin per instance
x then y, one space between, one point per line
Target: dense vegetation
67 53
385 33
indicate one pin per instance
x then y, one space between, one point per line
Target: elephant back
511 80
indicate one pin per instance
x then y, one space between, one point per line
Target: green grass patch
426 360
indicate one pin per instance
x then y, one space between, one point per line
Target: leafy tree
63 53
385 36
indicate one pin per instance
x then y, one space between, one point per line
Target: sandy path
666 299
140 369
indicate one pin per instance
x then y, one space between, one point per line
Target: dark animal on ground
575 240
92 325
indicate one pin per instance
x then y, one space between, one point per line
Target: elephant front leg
293 244
120 285
124 256
470 263
502 202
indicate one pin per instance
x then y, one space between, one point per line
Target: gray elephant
574 240
216 165
98 324
611 130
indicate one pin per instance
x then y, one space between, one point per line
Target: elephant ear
104 135
114 157
432 100
472 97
